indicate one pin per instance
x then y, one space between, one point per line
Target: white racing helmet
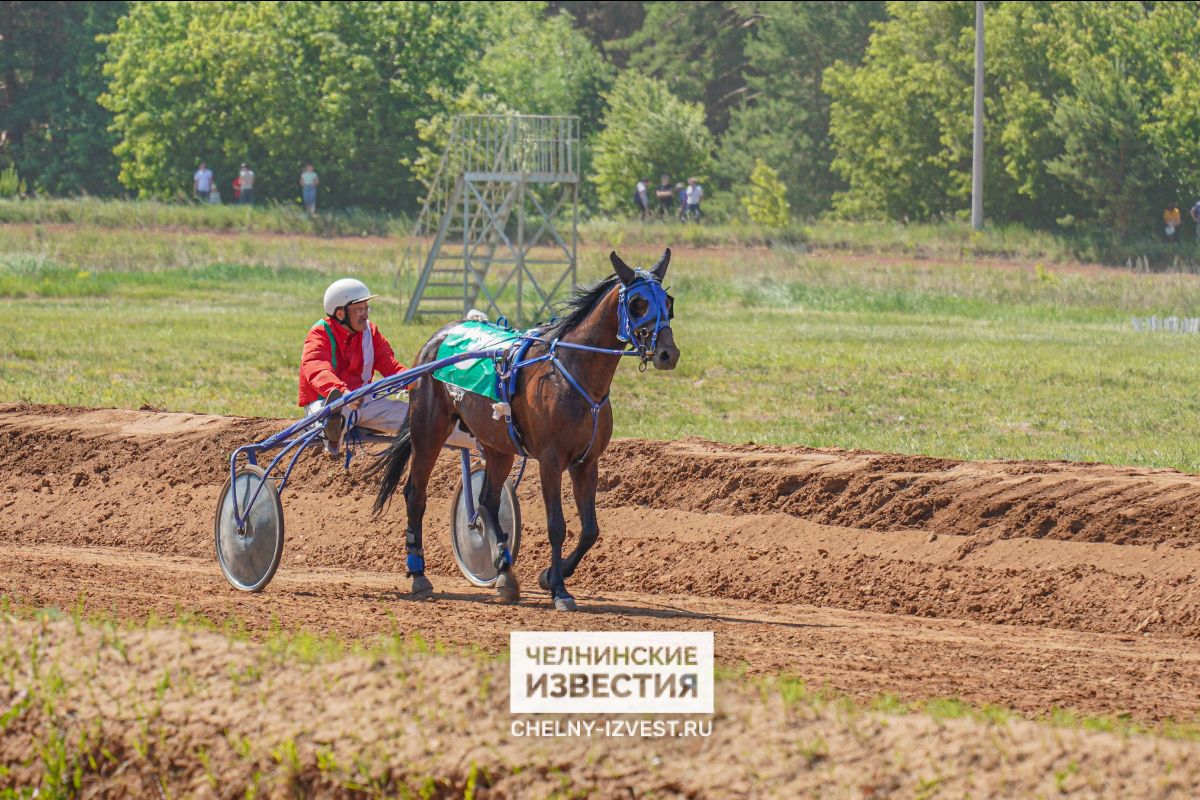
344 292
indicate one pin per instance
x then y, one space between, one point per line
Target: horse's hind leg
426 427
415 491
497 469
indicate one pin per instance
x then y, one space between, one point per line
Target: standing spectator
681 194
641 197
237 188
247 176
694 195
665 196
202 183
308 187
1171 220
1195 213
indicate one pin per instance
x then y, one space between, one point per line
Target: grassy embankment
182 708
937 240
946 357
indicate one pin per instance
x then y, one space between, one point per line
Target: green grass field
943 357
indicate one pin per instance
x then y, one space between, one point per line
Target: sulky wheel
473 546
250 556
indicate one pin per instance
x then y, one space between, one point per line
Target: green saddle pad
473 374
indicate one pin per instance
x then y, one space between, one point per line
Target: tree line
859 109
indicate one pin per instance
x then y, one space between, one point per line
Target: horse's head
645 310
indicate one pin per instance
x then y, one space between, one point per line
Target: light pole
977 143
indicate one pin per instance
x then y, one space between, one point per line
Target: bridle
642 331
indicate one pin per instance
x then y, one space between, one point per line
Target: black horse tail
392 464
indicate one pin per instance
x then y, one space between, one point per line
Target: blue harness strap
594 404
515 360
506 388
512 361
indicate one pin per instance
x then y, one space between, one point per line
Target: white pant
387 416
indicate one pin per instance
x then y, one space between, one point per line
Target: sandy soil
146 704
1031 585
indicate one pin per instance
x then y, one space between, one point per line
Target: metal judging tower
491 218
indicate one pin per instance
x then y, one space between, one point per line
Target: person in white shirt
641 197
247 176
202 183
695 193
308 189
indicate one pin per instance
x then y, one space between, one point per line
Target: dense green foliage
766 202
53 132
11 184
531 64
1091 112
698 50
648 132
863 108
280 84
542 65
784 115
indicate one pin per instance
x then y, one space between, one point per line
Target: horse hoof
544 579
566 603
507 587
422 588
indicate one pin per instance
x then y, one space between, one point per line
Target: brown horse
559 407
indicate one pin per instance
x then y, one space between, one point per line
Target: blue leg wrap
416 564
504 560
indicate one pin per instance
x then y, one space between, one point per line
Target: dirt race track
1031 585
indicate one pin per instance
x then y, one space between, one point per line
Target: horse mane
578 306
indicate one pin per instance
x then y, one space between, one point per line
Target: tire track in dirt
1031 669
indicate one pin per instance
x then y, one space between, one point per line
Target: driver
342 352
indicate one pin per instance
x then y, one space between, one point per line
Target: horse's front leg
551 470
496 471
584 479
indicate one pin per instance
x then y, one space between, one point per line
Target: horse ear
660 268
623 270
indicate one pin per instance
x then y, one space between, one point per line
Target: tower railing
499 226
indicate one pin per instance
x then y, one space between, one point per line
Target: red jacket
323 368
